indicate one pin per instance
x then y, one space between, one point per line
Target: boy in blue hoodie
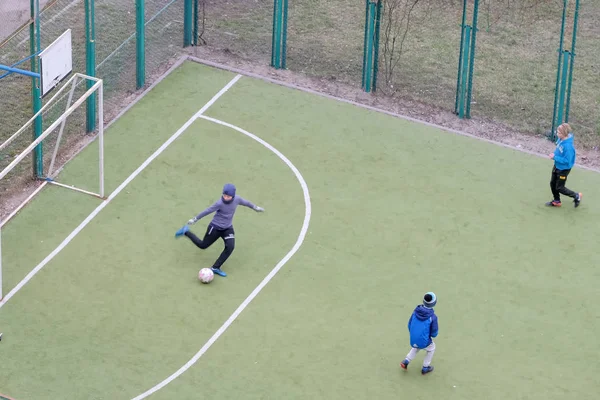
423 327
564 159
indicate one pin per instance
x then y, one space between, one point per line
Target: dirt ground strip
476 126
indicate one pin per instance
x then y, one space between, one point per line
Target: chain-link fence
515 58
243 28
115 58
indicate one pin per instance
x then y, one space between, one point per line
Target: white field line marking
115 193
264 282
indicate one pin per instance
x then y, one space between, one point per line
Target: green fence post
188 16
36 97
365 42
278 30
279 38
140 44
570 79
563 84
552 135
276 45
370 46
472 57
274 38
377 29
370 39
90 62
465 69
460 55
195 19
284 35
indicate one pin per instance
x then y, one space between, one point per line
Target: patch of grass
515 62
393 216
243 28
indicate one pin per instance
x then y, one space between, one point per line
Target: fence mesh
115 29
516 63
164 34
242 27
326 39
73 130
515 60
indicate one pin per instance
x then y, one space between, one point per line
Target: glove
259 209
192 221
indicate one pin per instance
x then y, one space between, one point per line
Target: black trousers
557 184
212 234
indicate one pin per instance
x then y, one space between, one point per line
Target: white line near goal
114 194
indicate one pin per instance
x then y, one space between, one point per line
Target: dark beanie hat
229 189
429 300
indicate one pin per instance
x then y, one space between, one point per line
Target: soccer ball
206 275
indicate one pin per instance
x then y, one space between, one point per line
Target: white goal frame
70 85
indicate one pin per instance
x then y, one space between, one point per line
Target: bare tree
396 25
202 12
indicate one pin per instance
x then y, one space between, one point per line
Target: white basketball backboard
56 62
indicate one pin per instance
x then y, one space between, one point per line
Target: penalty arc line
114 194
264 282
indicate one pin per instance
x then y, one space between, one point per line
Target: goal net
27 163
61 136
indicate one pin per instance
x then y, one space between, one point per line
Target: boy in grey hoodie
221 225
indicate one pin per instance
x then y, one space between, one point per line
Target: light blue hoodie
564 154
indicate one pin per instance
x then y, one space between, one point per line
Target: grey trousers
429 349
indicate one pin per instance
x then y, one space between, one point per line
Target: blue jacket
422 325
564 155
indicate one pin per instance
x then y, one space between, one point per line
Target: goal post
65 135
71 85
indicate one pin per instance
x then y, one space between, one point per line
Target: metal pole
576 20
370 39
460 55
19 71
563 82
36 97
195 19
284 35
187 23
279 23
461 105
377 29
101 135
140 44
560 53
274 39
90 65
472 58
365 43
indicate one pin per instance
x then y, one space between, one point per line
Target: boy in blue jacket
564 159
423 326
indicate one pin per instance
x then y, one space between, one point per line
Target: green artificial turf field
395 209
